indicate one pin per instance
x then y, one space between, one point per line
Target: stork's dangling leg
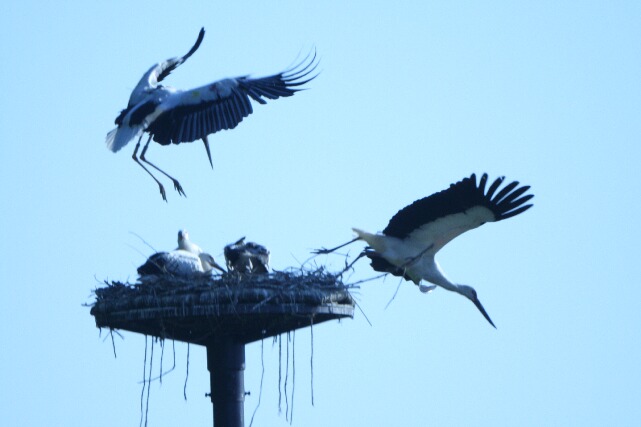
425 288
177 185
351 264
206 142
162 189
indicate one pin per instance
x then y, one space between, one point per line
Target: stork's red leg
177 185
162 189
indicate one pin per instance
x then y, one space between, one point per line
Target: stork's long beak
478 305
206 142
218 267
211 261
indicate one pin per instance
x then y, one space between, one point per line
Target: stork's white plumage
187 260
408 244
178 263
247 257
185 243
173 116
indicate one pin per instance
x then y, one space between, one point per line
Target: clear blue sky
411 97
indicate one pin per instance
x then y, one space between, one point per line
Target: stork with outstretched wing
409 243
173 116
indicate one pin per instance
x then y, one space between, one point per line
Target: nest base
231 307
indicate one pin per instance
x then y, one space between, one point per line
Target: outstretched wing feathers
482 182
504 192
219 108
190 115
279 85
447 202
157 73
185 116
497 182
437 219
459 200
522 209
269 87
166 67
513 195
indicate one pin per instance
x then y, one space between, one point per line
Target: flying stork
408 244
247 257
173 116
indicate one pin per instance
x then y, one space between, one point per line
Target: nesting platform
203 310
223 313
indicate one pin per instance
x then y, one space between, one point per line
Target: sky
411 97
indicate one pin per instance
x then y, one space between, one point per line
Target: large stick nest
230 303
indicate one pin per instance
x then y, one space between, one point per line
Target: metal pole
226 365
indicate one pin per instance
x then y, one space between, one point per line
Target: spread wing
161 70
439 218
462 207
190 115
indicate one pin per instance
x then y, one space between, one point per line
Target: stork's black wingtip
201 36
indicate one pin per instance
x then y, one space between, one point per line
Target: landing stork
247 257
408 244
173 116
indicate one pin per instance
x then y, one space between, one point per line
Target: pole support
226 365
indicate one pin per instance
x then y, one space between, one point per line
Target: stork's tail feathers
364 235
120 136
111 136
375 241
